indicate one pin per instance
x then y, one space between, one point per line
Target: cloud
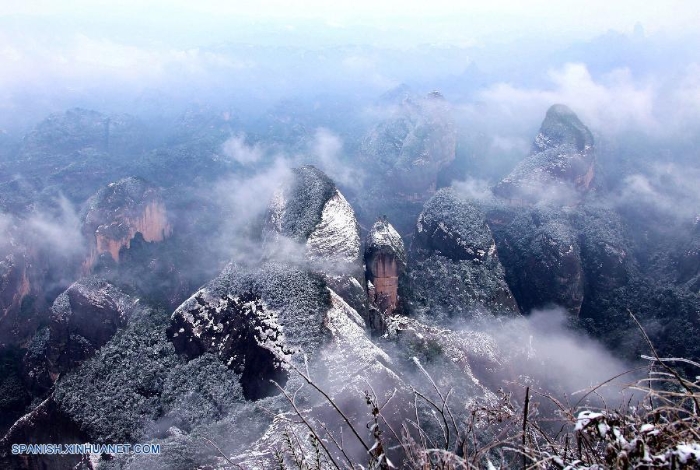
58 232
670 188
238 150
327 154
547 353
243 200
613 103
473 189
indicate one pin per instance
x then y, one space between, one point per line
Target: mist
188 123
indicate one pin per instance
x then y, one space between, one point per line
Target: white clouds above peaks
614 102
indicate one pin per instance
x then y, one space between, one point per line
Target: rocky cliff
385 260
560 166
83 319
254 320
455 269
119 211
309 221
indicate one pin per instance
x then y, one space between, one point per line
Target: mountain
117 212
403 155
360 321
455 269
560 167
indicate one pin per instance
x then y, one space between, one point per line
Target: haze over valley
360 236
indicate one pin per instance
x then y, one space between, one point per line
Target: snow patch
337 235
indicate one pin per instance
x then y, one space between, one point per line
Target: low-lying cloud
56 232
545 352
239 151
613 103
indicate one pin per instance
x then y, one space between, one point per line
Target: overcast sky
194 23
112 54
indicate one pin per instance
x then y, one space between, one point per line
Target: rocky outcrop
311 214
337 235
45 424
541 253
561 164
14 287
409 148
605 253
119 211
385 260
242 331
254 321
310 211
83 319
554 260
455 270
402 157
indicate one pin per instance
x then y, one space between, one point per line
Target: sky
118 55
410 21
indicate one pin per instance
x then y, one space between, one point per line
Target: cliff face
385 259
455 269
83 319
253 320
311 212
23 277
119 211
560 166
569 258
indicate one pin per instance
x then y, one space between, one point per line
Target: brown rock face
385 272
22 305
118 212
385 257
14 284
152 223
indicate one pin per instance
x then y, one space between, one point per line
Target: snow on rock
384 238
337 235
254 320
561 164
474 353
83 319
310 220
350 351
455 269
242 331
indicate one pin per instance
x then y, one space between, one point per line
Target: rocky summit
560 166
